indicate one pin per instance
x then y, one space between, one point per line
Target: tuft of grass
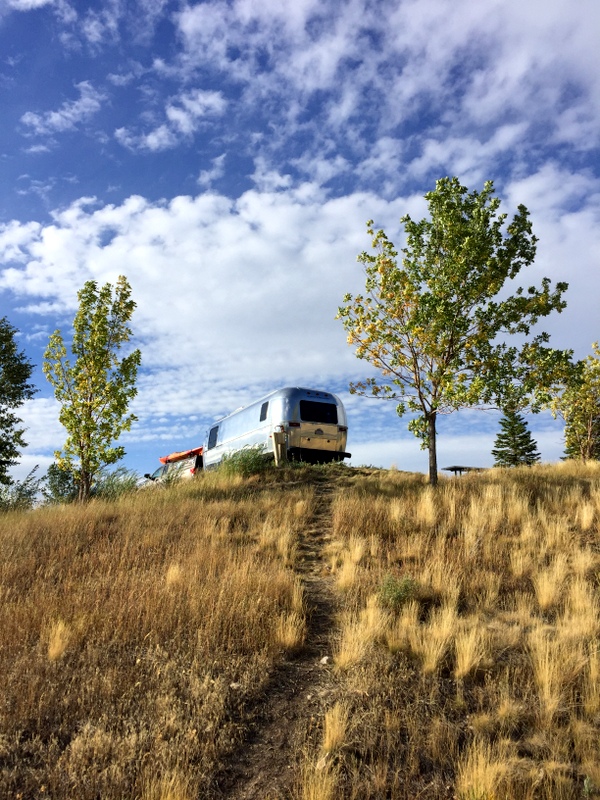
483 770
471 648
172 786
291 631
352 646
58 640
115 484
347 574
556 664
399 634
174 576
335 728
431 642
20 495
549 583
318 781
591 683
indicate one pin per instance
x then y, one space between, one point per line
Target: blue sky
225 157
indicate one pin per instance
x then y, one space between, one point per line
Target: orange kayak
179 456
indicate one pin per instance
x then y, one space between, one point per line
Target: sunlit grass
335 728
125 625
463 631
502 627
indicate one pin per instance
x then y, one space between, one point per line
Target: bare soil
288 719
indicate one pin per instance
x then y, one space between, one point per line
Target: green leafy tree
60 485
94 391
435 323
15 389
577 401
514 445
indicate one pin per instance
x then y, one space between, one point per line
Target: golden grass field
141 640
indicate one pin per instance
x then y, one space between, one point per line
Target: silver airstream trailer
311 425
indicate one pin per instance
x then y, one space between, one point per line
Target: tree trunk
85 483
433 473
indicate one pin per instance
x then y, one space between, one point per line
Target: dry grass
335 728
137 636
491 669
471 648
318 781
134 634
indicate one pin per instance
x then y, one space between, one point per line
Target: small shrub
246 462
61 485
20 495
111 485
396 592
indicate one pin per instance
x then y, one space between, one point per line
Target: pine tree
15 389
514 445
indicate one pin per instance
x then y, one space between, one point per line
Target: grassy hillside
309 634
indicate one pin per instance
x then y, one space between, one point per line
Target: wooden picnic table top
460 469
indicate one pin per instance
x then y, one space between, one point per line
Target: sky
225 157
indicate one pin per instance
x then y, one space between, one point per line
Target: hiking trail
302 688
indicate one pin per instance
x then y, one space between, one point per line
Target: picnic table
458 470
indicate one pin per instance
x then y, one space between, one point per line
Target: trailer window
212 437
312 411
263 411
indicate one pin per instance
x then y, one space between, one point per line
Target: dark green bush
396 592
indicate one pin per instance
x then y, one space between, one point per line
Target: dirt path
300 691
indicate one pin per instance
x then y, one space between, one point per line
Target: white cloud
238 296
15 238
468 157
122 78
231 295
69 116
565 212
268 179
43 430
185 112
161 138
27 5
184 115
450 89
43 435
207 176
321 169
28 461
38 148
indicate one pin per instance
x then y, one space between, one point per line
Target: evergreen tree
15 389
514 445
